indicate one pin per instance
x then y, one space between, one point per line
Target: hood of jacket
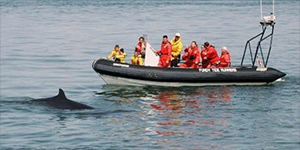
173 42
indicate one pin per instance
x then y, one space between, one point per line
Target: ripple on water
47 45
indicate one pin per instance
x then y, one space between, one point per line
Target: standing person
165 53
212 56
141 47
120 56
191 56
136 59
224 58
176 50
114 52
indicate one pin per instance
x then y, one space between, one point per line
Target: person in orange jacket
212 56
165 53
191 56
224 58
203 53
141 47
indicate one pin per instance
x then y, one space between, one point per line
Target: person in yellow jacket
120 57
176 50
114 52
118 54
136 59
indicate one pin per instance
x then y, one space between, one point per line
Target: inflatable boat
126 74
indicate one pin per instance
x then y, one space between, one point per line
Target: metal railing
261 37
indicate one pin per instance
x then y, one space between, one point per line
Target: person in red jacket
203 53
141 47
212 56
224 58
165 53
191 56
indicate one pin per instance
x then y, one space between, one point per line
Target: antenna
261 17
274 7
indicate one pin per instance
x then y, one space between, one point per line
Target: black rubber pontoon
120 72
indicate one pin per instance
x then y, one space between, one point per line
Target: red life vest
140 47
212 55
225 59
191 56
165 51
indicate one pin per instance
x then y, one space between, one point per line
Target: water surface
47 45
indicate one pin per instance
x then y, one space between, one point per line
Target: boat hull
126 74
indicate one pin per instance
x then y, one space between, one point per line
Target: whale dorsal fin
61 95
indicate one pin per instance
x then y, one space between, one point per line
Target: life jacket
204 58
113 54
137 60
165 52
165 48
225 59
176 48
191 56
212 55
120 57
141 47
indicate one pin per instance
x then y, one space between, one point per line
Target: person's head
206 44
202 47
194 43
165 38
224 49
177 36
122 50
141 39
117 48
135 54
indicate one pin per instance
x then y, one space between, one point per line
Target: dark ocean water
51 44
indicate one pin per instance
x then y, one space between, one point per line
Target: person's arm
227 58
113 53
169 48
185 55
121 56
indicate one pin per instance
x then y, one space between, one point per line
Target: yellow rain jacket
137 60
121 56
118 55
176 48
113 54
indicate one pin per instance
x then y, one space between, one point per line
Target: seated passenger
212 56
191 56
224 58
205 62
114 52
120 56
141 47
136 59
